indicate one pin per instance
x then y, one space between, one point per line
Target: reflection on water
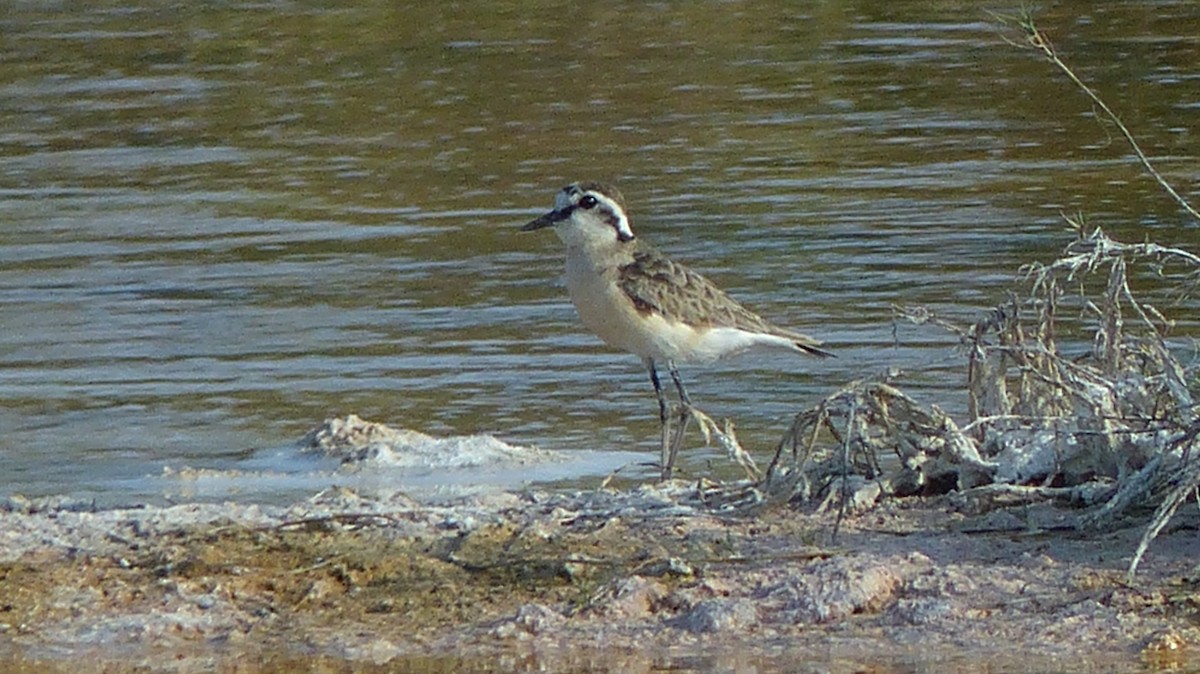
222 224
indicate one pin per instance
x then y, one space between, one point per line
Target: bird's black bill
548 220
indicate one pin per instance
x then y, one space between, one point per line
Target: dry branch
1036 40
1074 394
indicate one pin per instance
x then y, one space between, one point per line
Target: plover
638 300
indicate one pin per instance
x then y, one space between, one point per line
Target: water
222 224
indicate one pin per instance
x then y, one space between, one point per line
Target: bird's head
588 215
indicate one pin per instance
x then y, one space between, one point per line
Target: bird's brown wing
657 284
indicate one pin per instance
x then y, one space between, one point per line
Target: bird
638 300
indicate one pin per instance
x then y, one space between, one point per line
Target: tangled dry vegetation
1076 393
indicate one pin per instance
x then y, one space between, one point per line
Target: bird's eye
588 202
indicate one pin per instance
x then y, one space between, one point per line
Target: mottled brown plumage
657 284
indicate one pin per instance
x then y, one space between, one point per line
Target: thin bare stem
1037 40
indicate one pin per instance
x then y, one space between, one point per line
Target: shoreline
533 577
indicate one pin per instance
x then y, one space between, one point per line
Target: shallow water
222 224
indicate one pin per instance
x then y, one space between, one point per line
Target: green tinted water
222 223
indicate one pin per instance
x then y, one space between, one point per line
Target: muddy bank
606 581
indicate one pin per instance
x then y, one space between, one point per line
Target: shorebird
638 300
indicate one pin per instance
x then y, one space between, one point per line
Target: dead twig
1037 40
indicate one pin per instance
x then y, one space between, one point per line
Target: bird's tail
812 347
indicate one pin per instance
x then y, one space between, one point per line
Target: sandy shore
595 581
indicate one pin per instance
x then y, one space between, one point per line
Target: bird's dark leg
665 449
662 399
685 417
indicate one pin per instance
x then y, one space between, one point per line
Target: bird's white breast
607 311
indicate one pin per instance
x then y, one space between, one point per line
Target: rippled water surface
223 223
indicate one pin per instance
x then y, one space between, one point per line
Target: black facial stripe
614 221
